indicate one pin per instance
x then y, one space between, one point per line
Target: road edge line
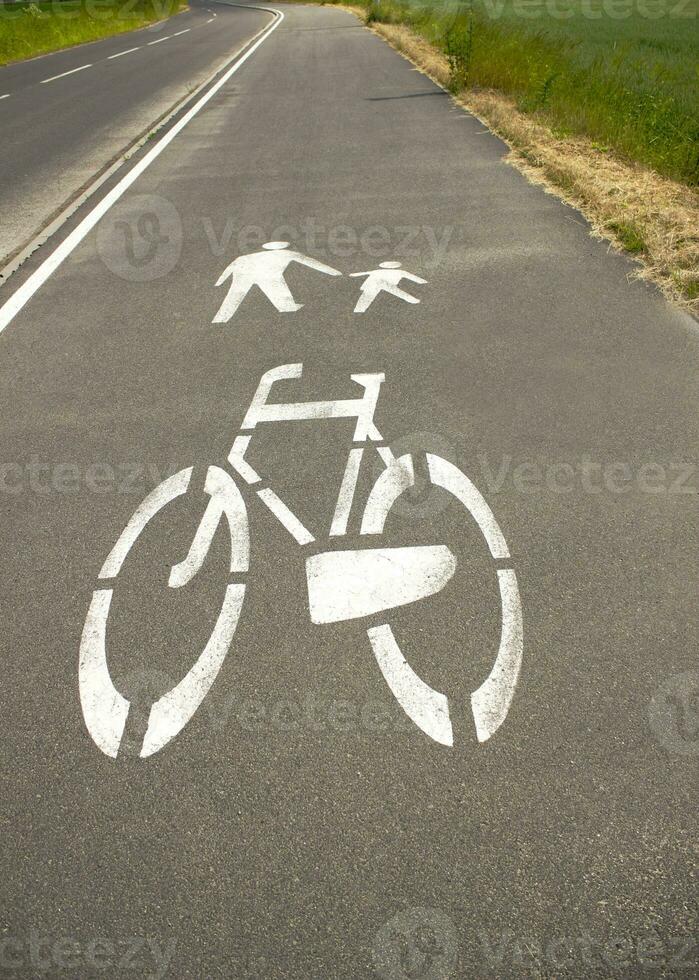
24 293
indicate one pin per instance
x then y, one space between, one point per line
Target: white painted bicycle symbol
342 584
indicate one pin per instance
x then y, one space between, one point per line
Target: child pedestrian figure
384 279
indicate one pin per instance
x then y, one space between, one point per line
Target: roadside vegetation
30 29
599 99
630 83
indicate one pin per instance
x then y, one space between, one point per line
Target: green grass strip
29 29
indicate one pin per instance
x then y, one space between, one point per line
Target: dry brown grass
653 218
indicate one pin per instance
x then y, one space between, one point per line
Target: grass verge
625 73
649 215
29 29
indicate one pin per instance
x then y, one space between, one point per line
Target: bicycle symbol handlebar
363 409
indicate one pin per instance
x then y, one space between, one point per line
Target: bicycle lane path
298 812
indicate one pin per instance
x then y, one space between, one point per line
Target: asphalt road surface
66 116
310 818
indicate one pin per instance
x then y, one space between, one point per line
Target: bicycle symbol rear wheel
105 710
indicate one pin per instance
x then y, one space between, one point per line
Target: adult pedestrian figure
384 279
265 270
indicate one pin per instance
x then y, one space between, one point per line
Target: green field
623 72
28 29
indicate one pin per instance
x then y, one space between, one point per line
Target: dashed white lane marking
120 53
63 74
4 96
182 32
160 40
210 20
21 297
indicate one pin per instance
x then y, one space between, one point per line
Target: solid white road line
21 297
120 53
160 39
63 74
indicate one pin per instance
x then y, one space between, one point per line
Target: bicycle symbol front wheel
346 585
428 708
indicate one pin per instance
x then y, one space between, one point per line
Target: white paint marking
182 32
64 74
394 480
265 270
226 499
4 96
444 474
346 495
104 709
236 458
160 40
426 707
386 454
360 408
384 279
285 517
491 702
21 297
170 714
210 20
120 54
348 584
166 491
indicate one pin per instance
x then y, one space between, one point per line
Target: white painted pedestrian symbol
343 585
384 279
265 270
